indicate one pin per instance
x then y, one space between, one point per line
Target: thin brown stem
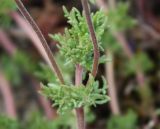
93 36
79 111
5 89
50 112
123 42
109 67
30 20
32 36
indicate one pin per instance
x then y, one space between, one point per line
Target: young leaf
75 44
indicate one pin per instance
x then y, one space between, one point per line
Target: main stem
79 69
93 37
79 111
48 51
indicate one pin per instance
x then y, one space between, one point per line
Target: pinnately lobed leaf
67 98
75 44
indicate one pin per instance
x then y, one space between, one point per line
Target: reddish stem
48 51
121 38
32 35
6 43
79 111
111 86
7 96
102 5
11 49
123 42
49 111
93 37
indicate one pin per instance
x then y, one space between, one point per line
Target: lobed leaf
68 98
75 44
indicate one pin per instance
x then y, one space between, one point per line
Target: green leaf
70 97
75 44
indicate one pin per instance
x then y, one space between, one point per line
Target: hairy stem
111 86
93 36
79 111
42 39
5 89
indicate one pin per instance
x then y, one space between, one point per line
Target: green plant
8 123
139 60
13 66
116 18
82 50
5 7
37 121
44 69
117 23
75 44
68 98
127 121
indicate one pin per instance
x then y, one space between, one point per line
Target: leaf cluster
75 44
68 98
127 121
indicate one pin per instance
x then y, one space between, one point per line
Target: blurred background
131 40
